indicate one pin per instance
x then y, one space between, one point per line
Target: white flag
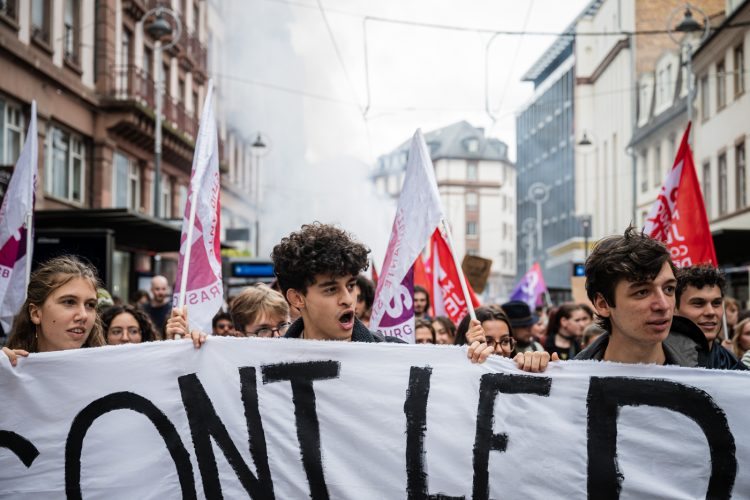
418 214
200 259
15 212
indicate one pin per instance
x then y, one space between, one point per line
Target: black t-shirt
158 314
564 352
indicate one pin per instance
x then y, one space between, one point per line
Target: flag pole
30 214
459 269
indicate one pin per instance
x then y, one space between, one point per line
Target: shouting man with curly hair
317 268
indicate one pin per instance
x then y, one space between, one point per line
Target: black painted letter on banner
415 409
608 394
206 424
136 403
301 376
20 446
485 440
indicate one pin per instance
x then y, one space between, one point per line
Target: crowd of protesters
644 309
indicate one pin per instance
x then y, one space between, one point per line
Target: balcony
130 100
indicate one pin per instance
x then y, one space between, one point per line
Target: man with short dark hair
421 303
630 280
222 325
700 299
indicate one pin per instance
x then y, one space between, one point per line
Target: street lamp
690 28
158 29
527 227
586 225
259 149
539 194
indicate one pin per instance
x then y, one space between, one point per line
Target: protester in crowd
59 312
521 321
589 315
424 333
699 298
631 281
127 325
732 311
161 302
365 290
260 311
421 303
741 339
445 330
590 334
565 330
497 331
539 329
139 299
221 325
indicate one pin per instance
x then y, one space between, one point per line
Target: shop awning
132 230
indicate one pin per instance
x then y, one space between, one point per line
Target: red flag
420 273
448 300
678 216
374 271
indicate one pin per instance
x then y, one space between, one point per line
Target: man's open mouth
347 318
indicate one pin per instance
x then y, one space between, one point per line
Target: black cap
519 313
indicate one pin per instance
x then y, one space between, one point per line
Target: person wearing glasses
260 311
127 325
497 331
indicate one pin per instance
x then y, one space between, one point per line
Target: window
721 85
739 70
64 165
707 188
148 62
124 70
196 18
472 173
126 186
644 171
723 205
11 133
8 8
195 104
657 167
40 20
472 201
740 175
181 91
705 109
165 207
183 190
70 35
471 229
672 150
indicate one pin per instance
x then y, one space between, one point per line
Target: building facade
477 186
91 67
545 143
720 140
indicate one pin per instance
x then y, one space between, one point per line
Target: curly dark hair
634 257
698 277
148 330
317 249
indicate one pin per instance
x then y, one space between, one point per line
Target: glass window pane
60 163
120 190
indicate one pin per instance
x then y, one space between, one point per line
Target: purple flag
530 287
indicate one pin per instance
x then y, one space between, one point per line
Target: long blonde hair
44 281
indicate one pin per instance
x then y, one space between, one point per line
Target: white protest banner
287 419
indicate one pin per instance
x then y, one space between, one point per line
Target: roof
551 57
131 230
454 142
727 23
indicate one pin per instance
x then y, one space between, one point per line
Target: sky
333 84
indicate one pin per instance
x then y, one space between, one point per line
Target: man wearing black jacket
700 299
